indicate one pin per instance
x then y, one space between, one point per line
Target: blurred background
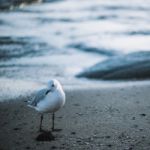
61 38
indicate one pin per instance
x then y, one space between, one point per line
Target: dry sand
116 118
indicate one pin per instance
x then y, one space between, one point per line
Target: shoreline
24 89
93 118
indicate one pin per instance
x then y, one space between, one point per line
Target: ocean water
59 39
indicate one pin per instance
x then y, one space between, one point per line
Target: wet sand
95 118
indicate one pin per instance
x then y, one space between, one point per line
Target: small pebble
108 137
53 147
109 145
27 147
73 133
76 105
143 115
79 141
135 126
16 129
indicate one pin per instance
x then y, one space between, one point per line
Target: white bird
49 100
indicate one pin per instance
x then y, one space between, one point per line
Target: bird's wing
39 96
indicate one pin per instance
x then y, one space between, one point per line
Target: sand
116 118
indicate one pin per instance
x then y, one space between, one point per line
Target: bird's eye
52 85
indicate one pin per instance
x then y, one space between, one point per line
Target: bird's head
53 84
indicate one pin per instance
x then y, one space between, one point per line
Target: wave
16 47
140 32
88 48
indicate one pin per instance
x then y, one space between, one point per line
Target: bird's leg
53 119
41 122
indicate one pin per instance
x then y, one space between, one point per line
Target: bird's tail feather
31 106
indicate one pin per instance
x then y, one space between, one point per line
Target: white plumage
49 100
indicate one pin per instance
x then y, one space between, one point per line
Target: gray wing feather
38 97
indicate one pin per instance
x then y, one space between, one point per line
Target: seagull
48 100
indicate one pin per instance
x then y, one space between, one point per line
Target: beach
94 117
100 53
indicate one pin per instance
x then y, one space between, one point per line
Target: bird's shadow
45 136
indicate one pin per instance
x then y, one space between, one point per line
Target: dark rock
6 4
131 66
